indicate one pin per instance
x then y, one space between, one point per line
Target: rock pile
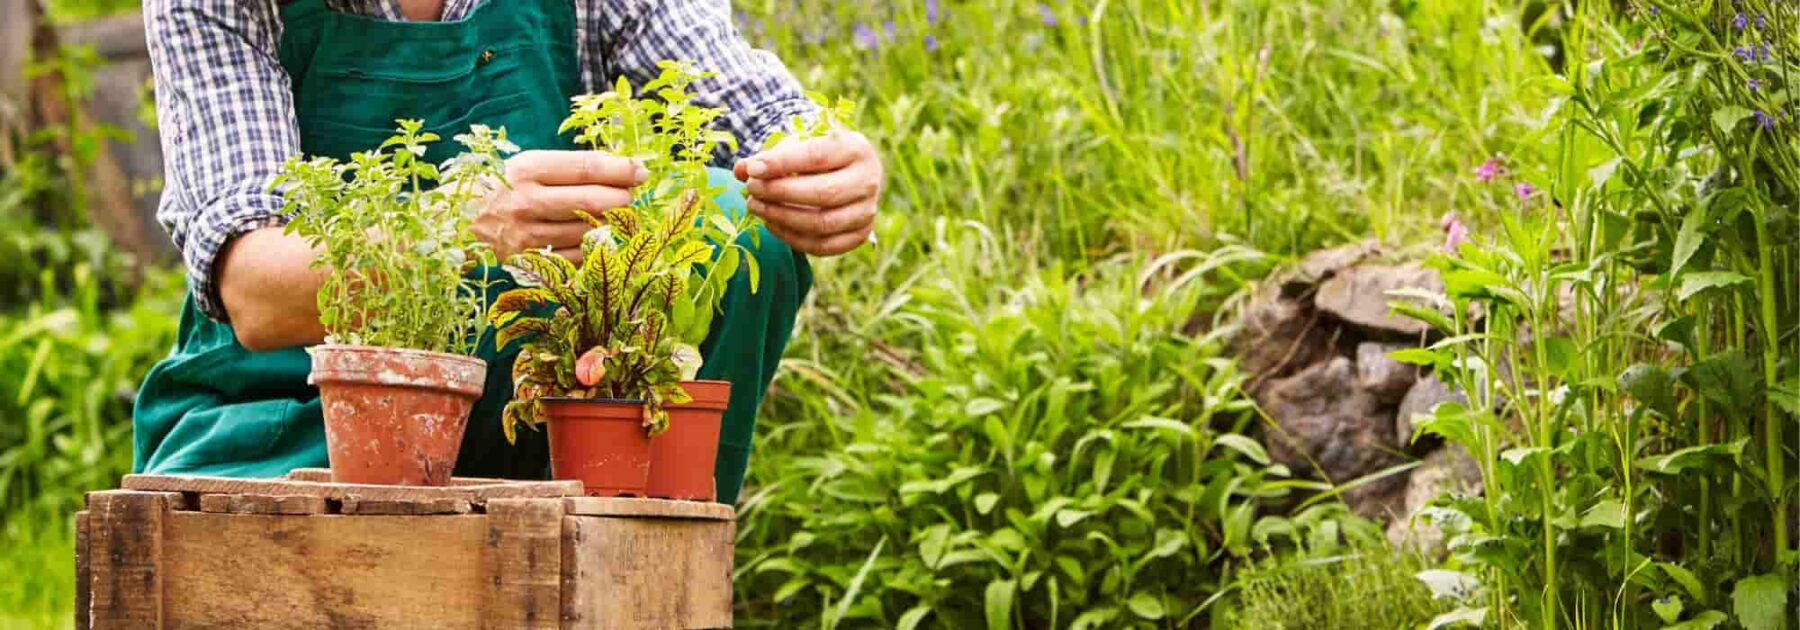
1315 343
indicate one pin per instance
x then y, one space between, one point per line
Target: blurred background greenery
1018 409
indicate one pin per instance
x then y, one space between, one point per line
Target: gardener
241 85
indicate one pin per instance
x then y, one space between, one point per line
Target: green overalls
216 408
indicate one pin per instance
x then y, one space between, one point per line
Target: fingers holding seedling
547 190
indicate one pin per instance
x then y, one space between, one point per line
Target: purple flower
1754 84
1655 11
1455 233
1744 54
1524 190
1489 170
1763 52
931 12
1762 21
865 37
1765 121
888 27
1046 16
931 42
1740 22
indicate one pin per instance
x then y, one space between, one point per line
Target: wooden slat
82 582
276 487
125 554
523 564
648 508
323 571
261 504
357 506
646 573
323 475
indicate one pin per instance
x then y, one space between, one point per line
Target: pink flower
1455 233
1489 170
1524 190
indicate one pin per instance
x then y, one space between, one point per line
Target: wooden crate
179 552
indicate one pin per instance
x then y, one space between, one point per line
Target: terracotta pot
393 415
601 443
683 457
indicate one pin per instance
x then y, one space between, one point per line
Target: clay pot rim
431 354
472 384
625 401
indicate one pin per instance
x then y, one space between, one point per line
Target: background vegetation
1017 410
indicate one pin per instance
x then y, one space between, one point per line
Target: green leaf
856 582
1694 458
1651 385
1518 454
984 502
1700 281
913 617
1419 356
1729 379
1704 621
1471 617
1686 579
999 604
1244 446
1688 240
1166 424
1728 117
982 406
1561 356
1146 605
1448 585
1667 608
1760 602
1608 513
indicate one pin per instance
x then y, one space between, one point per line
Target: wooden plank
358 506
126 549
323 475
523 564
339 491
82 583
648 508
647 573
261 504
256 571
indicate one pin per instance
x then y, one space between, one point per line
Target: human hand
818 195
547 187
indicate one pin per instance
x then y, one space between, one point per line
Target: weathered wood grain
261 504
646 573
648 508
126 570
277 487
522 559
417 507
82 582
323 571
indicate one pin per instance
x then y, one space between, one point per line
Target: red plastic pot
601 443
393 415
683 458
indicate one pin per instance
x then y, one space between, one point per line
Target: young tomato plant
392 231
626 323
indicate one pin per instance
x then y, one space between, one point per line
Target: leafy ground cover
1016 410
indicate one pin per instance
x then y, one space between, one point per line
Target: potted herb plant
611 370
395 373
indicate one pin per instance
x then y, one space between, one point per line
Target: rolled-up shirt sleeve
759 94
225 111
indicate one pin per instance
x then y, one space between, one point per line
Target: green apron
213 407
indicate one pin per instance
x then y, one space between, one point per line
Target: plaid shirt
226 110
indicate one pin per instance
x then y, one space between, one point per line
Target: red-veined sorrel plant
1625 338
393 232
626 323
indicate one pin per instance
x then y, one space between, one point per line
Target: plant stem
1771 359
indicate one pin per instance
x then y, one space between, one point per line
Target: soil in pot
601 443
683 458
394 415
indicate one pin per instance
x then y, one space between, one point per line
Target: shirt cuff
225 219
